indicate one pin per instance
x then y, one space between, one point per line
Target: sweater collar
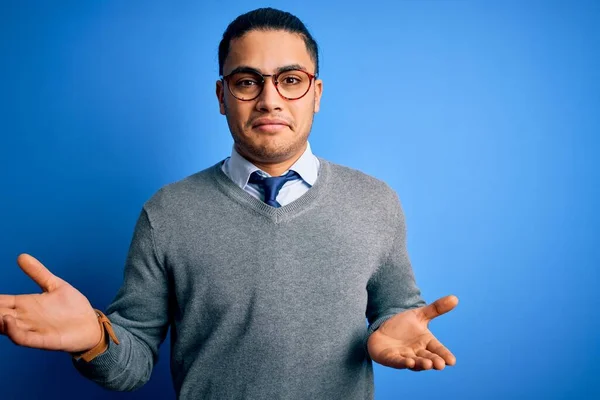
281 214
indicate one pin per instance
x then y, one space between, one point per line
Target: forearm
139 316
392 288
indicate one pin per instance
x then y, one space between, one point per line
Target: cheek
303 115
237 114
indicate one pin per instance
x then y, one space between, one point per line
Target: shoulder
355 189
353 180
181 194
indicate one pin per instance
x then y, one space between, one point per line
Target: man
263 266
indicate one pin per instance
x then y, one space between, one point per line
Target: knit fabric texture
262 302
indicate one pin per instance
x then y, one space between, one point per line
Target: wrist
106 335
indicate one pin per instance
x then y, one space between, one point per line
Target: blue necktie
272 186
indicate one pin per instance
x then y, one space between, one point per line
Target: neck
275 168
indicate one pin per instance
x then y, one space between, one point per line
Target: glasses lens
245 85
293 84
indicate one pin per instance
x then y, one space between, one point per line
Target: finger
7 301
37 272
397 360
422 364
8 311
439 307
21 323
437 361
402 362
437 348
21 336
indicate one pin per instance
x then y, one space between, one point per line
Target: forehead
268 50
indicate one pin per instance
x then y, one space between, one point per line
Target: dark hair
266 19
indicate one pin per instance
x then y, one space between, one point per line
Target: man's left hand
404 341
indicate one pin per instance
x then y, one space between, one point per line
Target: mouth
271 128
269 124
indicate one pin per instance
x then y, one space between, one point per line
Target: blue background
483 116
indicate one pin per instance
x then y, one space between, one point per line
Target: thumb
439 307
37 272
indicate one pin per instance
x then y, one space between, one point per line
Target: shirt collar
240 169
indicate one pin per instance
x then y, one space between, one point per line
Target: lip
270 128
269 123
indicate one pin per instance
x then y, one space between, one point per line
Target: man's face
268 52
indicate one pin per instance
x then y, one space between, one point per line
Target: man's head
269 123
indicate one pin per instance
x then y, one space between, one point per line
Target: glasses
248 84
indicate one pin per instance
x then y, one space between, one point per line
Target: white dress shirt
238 169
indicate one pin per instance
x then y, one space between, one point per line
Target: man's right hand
60 318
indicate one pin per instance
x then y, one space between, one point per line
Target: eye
291 80
246 82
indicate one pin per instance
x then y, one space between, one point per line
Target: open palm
404 341
59 318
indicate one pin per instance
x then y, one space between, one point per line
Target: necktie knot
272 185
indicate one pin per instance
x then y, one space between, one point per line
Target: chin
271 152
269 147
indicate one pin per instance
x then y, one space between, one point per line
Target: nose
269 99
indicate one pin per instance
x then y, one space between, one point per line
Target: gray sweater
262 302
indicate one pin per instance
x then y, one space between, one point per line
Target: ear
318 93
220 91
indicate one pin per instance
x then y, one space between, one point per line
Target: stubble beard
271 151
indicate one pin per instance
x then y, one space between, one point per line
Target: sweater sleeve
139 315
392 288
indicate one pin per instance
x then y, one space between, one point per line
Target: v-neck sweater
262 302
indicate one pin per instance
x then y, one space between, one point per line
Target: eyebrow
246 68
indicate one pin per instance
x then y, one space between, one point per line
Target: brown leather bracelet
106 327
